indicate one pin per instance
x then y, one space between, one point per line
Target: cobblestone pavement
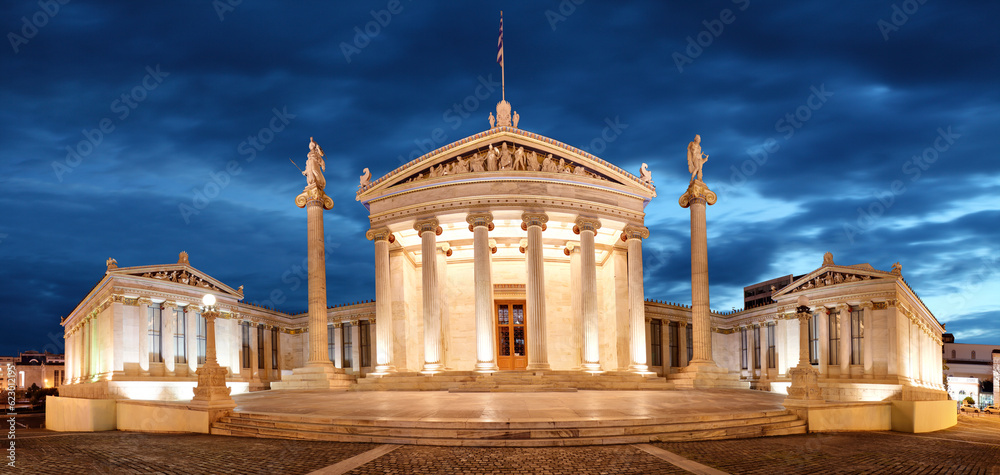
973 446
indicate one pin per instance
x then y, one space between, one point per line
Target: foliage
968 401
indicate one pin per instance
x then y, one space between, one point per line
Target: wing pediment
179 274
507 152
834 275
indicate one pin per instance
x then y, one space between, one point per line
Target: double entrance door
511 334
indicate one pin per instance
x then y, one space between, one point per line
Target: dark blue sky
868 129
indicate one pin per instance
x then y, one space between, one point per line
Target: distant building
759 294
46 370
966 366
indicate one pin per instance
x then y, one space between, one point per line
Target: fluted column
382 237
142 335
633 236
429 230
534 224
356 346
822 323
845 340
70 365
764 374
682 343
315 201
87 348
866 319
191 338
338 345
167 336
697 197
587 228
481 224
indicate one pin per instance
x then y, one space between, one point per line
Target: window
834 339
656 342
245 349
348 346
331 344
154 333
973 354
180 332
772 355
260 346
756 347
743 348
675 353
952 354
857 335
364 345
202 337
813 340
274 348
690 342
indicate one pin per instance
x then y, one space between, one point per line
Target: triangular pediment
505 152
833 275
182 274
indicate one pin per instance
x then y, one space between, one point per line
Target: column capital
313 195
821 309
166 304
428 224
867 305
843 307
380 234
531 218
682 324
480 219
144 301
634 232
585 223
570 247
696 191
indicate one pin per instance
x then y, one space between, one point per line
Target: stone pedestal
805 390
319 372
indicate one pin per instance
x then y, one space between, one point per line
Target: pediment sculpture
505 158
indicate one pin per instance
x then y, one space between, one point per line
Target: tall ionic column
80 349
315 201
697 197
429 230
633 235
87 348
538 357
587 228
866 319
142 335
763 351
682 350
845 340
338 345
382 237
822 323
481 224
70 350
167 337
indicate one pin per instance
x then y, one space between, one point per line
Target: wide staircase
511 381
526 433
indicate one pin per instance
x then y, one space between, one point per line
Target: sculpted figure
828 259
562 166
897 268
533 164
365 179
493 121
477 162
315 166
112 263
516 118
548 164
520 161
579 170
491 159
434 171
506 160
838 278
461 166
696 159
645 174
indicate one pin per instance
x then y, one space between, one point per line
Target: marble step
513 434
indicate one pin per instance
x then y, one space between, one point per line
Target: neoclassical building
508 252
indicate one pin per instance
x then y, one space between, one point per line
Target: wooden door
512 333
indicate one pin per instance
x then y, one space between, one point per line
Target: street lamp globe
208 300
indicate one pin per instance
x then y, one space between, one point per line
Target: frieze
522 201
831 278
181 277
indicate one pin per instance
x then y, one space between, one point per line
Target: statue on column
315 166
696 159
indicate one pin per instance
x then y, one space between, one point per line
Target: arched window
952 354
973 354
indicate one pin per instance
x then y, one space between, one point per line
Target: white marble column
682 339
481 224
87 348
356 347
428 229
587 229
763 350
633 236
916 351
534 224
315 201
821 319
70 351
665 346
338 345
167 337
142 335
698 197
191 340
442 254
81 348
866 319
846 344
382 237
254 367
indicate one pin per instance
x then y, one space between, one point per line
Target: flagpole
503 82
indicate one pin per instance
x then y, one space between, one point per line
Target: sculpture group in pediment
503 158
181 277
831 278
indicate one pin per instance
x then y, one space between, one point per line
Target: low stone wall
850 416
923 416
147 416
65 414
145 390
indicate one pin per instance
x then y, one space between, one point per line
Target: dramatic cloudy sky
868 129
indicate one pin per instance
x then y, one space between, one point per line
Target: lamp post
804 390
211 393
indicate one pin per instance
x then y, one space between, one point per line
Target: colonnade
534 224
